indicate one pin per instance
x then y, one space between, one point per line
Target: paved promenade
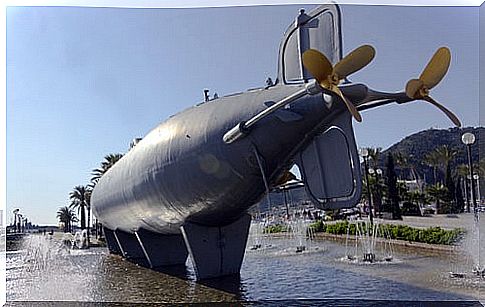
464 220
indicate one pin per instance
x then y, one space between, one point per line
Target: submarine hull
182 171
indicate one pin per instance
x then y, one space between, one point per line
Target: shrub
412 209
318 226
338 228
275 228
431 235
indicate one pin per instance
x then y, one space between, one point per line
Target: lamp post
464 184
365 154
468 139
373 173
477 179
377 201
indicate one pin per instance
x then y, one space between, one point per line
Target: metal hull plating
183 171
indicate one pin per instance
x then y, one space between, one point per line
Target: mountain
415 147
418 145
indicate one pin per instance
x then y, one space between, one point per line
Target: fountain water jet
478 269
472 269
301 233
256 235
372 242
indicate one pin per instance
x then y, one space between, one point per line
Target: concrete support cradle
129 245
162 250
111 241
217 251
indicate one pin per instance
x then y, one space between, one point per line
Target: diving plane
186 187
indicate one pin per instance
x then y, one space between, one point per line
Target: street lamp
477 182
378 200
468 139
364 152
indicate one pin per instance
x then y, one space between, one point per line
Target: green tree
450 184
462 172
79 201
403 163
374 155
432 159
402 191
419 198
445 155
374 180
109 161
481 168
378 191
460 202
437 192
87 197
392 203
66 216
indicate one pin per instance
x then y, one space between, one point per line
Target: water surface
45 270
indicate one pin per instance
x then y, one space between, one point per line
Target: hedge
275 228
431 235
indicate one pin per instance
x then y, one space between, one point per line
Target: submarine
184 190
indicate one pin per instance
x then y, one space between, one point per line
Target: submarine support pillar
217 251
111 241
162 250
130 247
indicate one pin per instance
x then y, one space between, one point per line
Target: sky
83 82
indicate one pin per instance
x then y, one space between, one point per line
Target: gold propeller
329 77
432 74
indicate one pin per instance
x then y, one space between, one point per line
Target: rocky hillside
418 145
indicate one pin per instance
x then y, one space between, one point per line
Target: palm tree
88 207
374 154
392 204
462 172
67 217
109 161
432 159
79 196
481 168
437 192
445 155
419 198
403 161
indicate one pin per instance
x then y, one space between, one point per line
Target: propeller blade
448 113
317 64
354 61
352 109
329 77
436 68
413 87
